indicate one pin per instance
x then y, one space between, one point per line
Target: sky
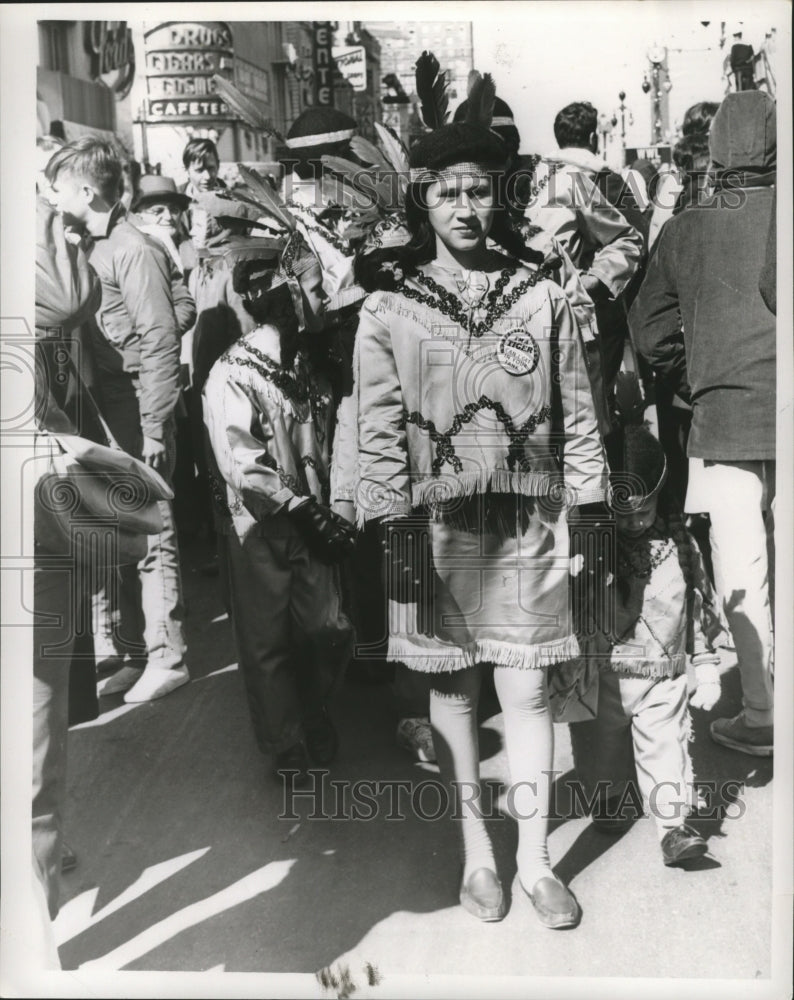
543 56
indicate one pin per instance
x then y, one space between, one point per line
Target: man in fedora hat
159 207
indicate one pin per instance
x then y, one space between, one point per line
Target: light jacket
269 429
567 204
434 415
140 333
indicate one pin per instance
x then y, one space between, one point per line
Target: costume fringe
466 484
434 656
638 666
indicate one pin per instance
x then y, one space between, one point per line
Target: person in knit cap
269 413
701 321
455 464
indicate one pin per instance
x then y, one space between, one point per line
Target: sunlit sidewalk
189 859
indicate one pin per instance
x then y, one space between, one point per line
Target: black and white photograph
397 440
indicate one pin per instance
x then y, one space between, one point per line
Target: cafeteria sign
181 58
351 62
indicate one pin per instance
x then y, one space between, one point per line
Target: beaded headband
422 175
320 139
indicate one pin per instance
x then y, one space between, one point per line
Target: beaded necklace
297 385
636 558
449 304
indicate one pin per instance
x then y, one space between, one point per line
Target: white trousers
739 498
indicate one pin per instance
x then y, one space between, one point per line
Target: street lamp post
623 110
605 126
657 57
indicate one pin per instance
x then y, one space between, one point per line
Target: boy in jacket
137 345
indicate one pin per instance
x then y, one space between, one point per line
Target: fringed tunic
477 420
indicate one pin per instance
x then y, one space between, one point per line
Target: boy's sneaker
416 736
736 734
682 843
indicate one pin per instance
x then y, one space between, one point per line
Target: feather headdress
431 88
245 108
480 99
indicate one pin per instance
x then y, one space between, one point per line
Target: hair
198 151
633 451
689 149
92 160
698 118
574 125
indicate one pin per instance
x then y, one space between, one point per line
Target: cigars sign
181 57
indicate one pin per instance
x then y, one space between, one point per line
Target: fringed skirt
483 580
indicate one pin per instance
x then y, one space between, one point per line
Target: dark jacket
140 333
704 272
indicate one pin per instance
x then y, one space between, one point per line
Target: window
53 47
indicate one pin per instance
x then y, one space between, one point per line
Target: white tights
529 740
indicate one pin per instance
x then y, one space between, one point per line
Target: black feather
431 88
482 94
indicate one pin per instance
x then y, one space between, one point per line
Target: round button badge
518 353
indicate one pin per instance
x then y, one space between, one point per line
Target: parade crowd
450 414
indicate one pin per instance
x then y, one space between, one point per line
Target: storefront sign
181 58
660 153
109 43
322 60
351 62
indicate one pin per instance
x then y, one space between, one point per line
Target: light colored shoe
735 733
121 681
416 736
156 683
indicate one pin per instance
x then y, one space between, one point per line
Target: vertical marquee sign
323 63
181 57
109 44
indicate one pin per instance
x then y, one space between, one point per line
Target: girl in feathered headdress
473 411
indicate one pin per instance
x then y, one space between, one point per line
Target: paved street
185 865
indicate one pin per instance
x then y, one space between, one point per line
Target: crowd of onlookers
156 310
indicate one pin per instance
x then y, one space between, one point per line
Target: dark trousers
293 641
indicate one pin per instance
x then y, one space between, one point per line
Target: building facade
401 45
84 75
150 84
